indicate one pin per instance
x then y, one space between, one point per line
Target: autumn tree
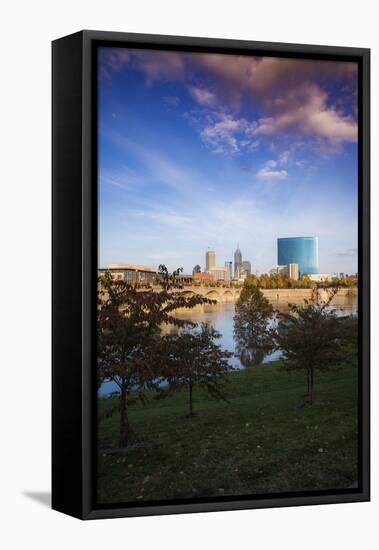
279 280
252 318
312 337
193 359
128 329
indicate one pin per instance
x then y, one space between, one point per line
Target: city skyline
199 151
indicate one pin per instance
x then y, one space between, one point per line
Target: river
220 316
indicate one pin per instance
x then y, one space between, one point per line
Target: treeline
279 280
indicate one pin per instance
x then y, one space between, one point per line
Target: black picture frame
74 270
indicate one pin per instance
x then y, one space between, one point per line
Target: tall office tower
229 267
246 267
237 263
299 250
210 260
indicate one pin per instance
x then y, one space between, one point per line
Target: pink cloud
160 65
264 75
304 110
290 94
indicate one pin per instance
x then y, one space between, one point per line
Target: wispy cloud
180 236
166 194
173 101
161 167
123 178
227 135
203 96
270 172
289 93
162 216
349 253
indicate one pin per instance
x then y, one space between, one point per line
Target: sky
200 151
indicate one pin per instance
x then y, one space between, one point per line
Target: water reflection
220 316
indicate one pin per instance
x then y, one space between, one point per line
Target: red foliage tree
129 320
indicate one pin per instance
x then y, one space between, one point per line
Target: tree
128 328
194 359
305 281
311 337
252 323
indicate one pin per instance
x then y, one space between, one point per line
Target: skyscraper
299 250
237 263
210 260
229 266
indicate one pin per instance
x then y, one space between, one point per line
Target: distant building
210 260
229 267
184 279
290 270
196 269
131 273
299 250
237 263
220 273
203 277
293 271
246 268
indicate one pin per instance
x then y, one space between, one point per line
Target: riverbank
263 440
277 296
283 296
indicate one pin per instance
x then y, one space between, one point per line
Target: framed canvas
210 275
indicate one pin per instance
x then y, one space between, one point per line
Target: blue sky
206 150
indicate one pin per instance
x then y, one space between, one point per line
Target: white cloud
269 172
284 157
228 135
202 96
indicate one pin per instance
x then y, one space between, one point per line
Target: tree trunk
308 382
311 391
124 419
190 388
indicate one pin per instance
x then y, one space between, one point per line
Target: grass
264 440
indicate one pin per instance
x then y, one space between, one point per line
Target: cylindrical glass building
299 250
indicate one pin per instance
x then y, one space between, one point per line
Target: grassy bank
263 440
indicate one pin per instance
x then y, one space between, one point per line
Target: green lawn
263 440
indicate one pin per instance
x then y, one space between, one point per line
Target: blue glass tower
299 250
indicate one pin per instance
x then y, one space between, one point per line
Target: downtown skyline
199 151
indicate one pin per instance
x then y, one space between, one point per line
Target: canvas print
227 282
